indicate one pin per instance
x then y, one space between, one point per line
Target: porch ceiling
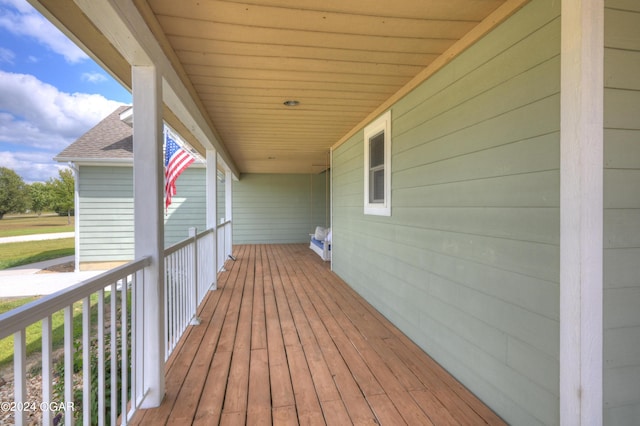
344 61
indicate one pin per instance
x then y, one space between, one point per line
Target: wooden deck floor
284 341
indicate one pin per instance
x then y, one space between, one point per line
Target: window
377 166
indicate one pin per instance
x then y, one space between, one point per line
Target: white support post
330 171
228 205
47 369
20 375
148 178
212 209
68 360
86 358
193 234
581 213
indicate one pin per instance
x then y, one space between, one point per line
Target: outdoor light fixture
291 103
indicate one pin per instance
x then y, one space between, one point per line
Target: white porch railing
189 273
111 318
109 388
224 243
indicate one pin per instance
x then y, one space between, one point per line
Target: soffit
339 59
344 61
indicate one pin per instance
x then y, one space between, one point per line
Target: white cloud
37 117
15 131
32 167
94 77
49 112
6 55
21 5
22 19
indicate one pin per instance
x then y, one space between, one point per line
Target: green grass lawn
16 254
34 331
28 225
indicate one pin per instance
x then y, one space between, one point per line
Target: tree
40 195
14 197
63 193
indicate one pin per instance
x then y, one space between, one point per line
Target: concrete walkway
37 237
34 268
25 280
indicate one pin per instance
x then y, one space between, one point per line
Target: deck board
284 341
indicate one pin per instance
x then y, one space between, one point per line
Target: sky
51 92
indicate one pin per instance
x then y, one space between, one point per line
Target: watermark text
32 406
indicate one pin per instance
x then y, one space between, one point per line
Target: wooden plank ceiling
340 59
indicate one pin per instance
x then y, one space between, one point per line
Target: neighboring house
102 160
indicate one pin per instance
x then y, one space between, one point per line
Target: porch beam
581 212
148 182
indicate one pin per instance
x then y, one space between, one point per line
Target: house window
377 166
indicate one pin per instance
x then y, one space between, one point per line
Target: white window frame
381 124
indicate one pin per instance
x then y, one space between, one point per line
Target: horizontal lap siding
106 213
277 208
468 263
220 202
622 214
188 207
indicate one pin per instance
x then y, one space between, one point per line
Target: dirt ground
64 267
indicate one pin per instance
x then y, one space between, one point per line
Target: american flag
176 159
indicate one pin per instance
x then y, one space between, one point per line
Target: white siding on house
622 214
468 263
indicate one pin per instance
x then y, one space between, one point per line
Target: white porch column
228 205
148 182
212 206
212 188
581 212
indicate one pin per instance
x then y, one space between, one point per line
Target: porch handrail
223 242
188 275
131 388
23 316
182 298
177 246
181 244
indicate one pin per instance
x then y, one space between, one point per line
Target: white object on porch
321 242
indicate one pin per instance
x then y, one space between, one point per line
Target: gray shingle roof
109 139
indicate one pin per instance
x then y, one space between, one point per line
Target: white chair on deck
321 242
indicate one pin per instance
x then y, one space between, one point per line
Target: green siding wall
188 208
220 201
277 208
622 214
468 263
106 211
